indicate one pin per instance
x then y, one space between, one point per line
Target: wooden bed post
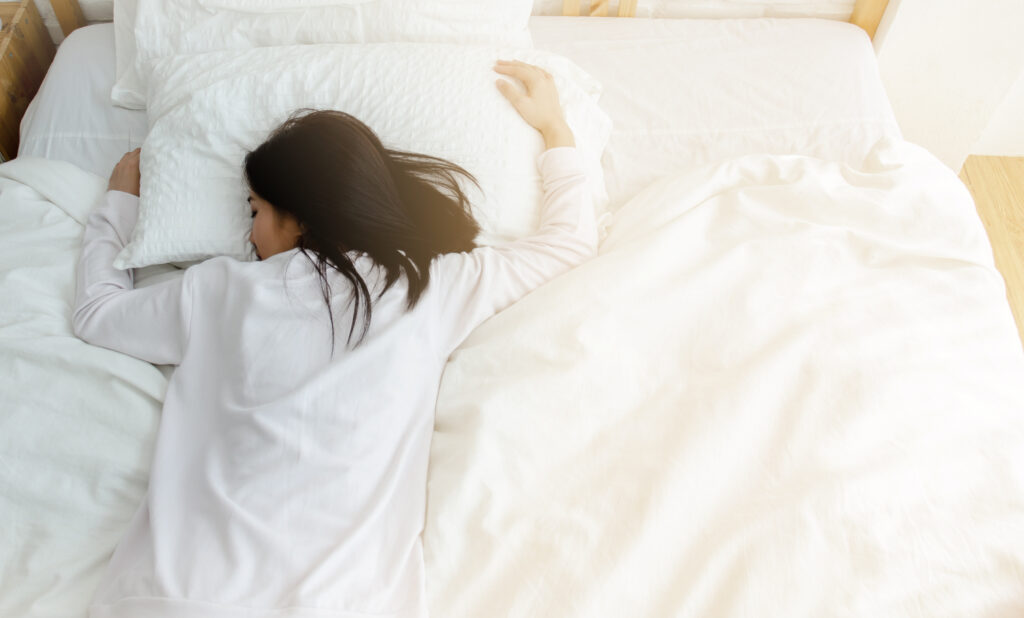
69 14
599 8
627 8
26 51
867 14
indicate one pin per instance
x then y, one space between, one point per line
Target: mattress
787 66
789 384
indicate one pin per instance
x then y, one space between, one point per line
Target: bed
789 384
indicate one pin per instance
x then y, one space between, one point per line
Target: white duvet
785 387
77 422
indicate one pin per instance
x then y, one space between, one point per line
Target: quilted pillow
152 29
208 110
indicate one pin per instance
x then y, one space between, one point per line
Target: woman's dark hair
348 192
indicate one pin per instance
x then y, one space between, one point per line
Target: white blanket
77 422
785 387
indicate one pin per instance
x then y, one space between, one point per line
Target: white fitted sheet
71 118
681 93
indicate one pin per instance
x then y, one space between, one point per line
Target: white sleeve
486 280
150 323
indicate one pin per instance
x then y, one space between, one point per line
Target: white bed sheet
681 93
71 118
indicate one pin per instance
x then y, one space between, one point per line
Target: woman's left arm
149 323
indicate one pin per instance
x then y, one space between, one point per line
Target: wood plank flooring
997 184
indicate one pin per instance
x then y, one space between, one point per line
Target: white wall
948 66
1004 135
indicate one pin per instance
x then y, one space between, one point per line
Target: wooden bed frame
26 51
69 15
866 13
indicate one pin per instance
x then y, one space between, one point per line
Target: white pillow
208 110
165 27
124 44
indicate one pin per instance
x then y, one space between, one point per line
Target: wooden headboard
866 13
69 15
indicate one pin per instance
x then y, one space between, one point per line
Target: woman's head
332 187
272 232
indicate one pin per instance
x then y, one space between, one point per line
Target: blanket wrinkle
75 193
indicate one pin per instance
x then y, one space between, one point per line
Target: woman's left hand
126 175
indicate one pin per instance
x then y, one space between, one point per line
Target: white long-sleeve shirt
284 483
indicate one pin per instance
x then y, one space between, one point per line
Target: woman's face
272 232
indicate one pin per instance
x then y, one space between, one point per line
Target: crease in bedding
77 422
785 387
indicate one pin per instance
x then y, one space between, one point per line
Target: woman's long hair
348 192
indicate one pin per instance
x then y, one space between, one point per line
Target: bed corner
868 13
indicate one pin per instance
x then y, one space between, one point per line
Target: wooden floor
997 184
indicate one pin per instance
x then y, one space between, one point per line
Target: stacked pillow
146 30
216 76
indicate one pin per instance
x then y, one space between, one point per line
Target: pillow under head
209 110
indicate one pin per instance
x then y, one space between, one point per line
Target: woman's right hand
539 105
126 176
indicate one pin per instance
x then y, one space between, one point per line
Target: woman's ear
291 225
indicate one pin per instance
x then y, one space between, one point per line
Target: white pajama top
285 483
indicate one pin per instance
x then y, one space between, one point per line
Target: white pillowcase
151 29
208 110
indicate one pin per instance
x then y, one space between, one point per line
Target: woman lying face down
323 183
288 477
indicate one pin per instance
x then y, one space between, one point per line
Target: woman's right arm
488 279
149 323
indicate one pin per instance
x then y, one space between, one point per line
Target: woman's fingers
126 176
538 104
520 73
527 73
526 65
521 69
511 92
